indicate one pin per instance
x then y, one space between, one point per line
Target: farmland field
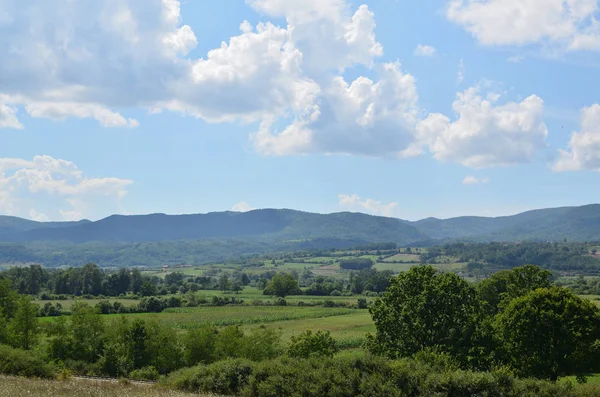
410 258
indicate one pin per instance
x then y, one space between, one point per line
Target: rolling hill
203 238
266 225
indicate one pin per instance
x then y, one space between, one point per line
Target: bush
308 344
364 376
362 303
146 373
226 377
23 363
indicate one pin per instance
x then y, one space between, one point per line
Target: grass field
23 387
403 258
348 330
196 317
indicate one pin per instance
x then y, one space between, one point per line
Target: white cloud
68 59
485 134
8 116
49 183
38 216
242 206
570 24
365 117
472 180
354 202
584 146
423 50
460 75
326 32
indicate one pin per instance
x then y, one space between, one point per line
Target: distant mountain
265 225
273 225
572 223
11 225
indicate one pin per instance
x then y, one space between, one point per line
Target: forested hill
271 225
573 223
264 225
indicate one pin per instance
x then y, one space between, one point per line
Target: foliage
345 377
23 363
555 256
146 373
424 308
501 287
356 264
23 328
309 344
549 333
227 377
282 285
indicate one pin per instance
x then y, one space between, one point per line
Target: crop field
196 317
349 330
409 258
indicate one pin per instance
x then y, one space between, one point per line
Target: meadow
23 387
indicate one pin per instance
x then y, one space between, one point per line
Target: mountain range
279 225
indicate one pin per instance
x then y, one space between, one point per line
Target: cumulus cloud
55 184
584 146
424 50
355 203
485 134
68 59
472 180
365 117
242 206
567 23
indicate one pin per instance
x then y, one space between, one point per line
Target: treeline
91 281
554 256
515 319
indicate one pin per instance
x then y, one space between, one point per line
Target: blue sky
406 109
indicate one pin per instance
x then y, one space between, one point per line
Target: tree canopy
550 332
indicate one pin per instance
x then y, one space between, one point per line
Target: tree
86 333
136 280
282 285
550 332
23 327
498 290
224 282
424 308
8 299
200 345
148 288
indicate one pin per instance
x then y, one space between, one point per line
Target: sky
407 109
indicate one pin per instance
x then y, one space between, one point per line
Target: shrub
226 377
362 303
23 363
308 344
146 373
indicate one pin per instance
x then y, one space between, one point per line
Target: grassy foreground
21 387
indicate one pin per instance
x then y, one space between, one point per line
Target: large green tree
23 327
549 333
424 308
282 285
502 287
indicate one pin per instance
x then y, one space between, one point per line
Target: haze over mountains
273 225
